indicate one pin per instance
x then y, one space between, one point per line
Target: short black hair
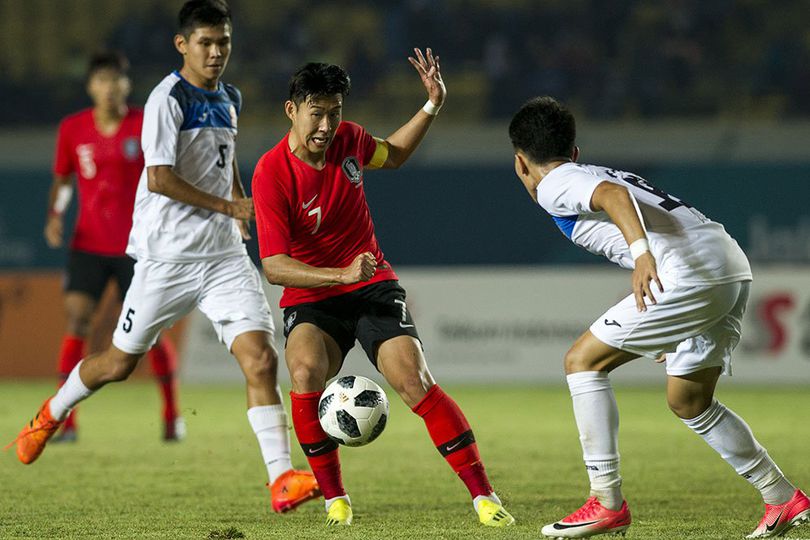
543 129
113 60
319 79
197 13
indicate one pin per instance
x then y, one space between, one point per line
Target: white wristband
639 247
431 109
63 196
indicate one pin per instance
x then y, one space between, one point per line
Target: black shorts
371 315
89 273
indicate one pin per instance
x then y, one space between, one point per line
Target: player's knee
306 374
576 361
687 407
261 365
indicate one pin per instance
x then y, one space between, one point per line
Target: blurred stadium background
707 100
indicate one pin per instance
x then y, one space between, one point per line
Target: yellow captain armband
380 154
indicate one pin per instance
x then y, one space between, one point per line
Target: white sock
69 395
328 502
597 417
731 437
491 497
269 423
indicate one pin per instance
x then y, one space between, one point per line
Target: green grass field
121 481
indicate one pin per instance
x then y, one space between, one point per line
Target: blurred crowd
613 60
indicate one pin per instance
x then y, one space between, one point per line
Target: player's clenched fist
362 269
241 208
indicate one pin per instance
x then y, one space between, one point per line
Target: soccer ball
353 410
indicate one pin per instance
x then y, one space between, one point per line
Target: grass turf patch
121 481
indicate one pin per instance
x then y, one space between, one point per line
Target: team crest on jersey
352 170
131 148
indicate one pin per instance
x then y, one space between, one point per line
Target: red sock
454 439
163 359
321 451
69 355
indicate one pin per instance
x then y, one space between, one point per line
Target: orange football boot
33 437
292 489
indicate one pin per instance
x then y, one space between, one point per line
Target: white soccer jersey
689 248
194 131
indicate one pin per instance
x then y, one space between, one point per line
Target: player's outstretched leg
691 398
597 418
322 455
403 365
88 376
163 360
454 439
70 354
289 488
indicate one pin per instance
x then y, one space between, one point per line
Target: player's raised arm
406 139
621 207
162 179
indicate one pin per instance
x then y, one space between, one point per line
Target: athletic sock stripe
462 441
319 448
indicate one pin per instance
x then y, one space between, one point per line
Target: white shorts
228 291
698 327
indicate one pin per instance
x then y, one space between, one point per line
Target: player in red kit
317 240
101 146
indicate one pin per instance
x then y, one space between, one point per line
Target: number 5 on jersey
127 326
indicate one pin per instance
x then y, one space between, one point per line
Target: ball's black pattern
323 406
348 424
368 398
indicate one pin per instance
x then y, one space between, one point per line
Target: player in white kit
189 220
690 286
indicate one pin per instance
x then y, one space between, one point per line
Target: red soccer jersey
108 169
320 218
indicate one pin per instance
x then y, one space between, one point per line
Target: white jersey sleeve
162 118
690 248
567 195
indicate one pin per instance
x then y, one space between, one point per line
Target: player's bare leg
79 309
587 365
259 363
691 398
403 365
88 376
312 357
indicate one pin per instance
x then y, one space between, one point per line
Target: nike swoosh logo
307 204
612 323
563 526
772 526
315 450
403 325
450 447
